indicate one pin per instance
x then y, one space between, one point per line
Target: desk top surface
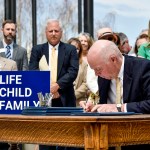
126 118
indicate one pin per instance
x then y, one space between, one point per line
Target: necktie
118 91
118 100
8 53
53 65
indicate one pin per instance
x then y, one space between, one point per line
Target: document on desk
51 111
69 111
103 114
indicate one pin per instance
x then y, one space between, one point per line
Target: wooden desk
97 133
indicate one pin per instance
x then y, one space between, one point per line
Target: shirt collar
11 45
50 46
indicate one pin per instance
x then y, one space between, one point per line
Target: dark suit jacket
67 69
136 85
19 56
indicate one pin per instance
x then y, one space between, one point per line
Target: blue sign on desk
18 89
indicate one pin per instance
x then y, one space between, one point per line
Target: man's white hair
54 20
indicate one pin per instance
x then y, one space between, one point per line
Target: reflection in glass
46 100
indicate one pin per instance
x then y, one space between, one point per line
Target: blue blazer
136 85
67 70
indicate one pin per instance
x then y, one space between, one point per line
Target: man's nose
10 31
53 32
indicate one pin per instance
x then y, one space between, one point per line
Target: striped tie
8 53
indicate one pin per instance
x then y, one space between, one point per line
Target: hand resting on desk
89 107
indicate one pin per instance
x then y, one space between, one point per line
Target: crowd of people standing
84 70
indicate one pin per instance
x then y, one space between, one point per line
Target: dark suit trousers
5 146
44 147
134 147
57 102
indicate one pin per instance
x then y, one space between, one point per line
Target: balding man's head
102 49
104 52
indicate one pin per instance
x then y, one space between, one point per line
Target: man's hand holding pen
86 105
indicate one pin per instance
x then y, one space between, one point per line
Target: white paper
2 50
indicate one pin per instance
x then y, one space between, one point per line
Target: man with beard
12 50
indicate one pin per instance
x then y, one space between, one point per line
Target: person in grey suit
67 67
17 53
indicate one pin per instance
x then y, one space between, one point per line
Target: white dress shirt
11 48
112 91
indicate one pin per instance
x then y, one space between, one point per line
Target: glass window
24 24
1 16
64 10
126 16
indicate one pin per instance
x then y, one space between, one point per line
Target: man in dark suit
67 66
134 74
17 53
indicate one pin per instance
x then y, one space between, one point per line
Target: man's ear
113 58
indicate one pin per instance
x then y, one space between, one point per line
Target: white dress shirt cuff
125 107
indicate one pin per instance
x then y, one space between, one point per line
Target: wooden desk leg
104 137
88 137
96 136
13 146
